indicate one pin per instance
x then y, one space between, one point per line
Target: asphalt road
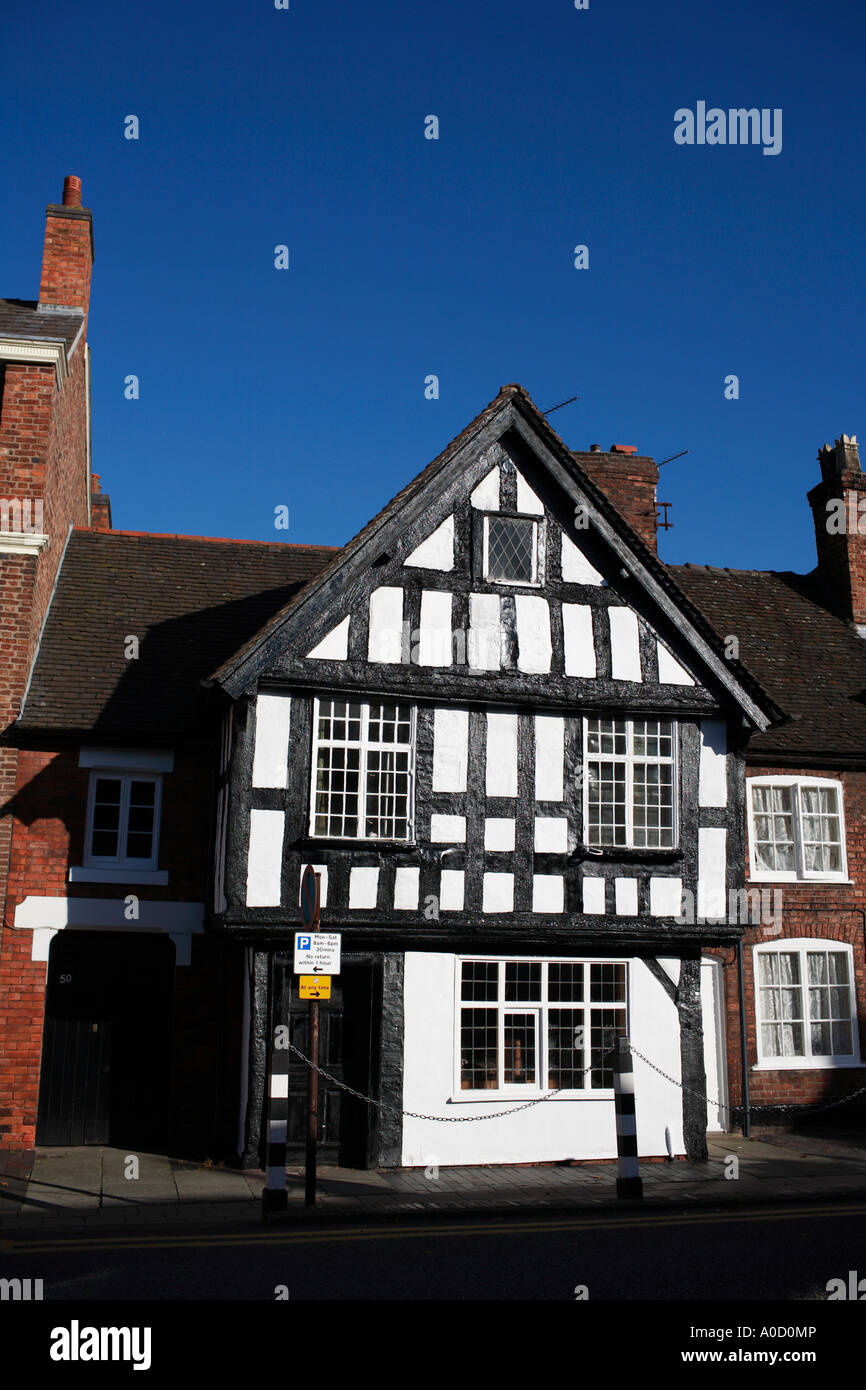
784 1253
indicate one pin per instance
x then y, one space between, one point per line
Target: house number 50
65 979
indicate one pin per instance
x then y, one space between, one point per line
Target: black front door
344 1051
107 1039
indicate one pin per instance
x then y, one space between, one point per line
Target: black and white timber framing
501 678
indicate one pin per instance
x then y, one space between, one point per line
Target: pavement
59 1189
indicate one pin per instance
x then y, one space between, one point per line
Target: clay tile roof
810 662
21 318
190 601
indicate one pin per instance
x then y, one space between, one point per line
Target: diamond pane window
363 767
510 550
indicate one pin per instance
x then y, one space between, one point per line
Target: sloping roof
811 663
22 318
190 601
517 395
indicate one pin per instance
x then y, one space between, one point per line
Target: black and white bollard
629 1183
274 1195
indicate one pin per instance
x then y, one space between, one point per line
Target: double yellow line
491 1227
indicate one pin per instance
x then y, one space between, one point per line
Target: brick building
533 771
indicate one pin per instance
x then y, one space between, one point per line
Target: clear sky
409 256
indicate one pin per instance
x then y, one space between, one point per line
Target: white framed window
511 549
532 1026
363 770
805 1004
796 829
122 831
630 780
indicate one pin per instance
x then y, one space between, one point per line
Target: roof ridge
210 540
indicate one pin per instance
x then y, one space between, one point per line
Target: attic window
510 550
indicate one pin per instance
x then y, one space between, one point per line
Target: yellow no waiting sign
314 987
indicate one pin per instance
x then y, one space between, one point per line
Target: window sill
154 877
807 1064
627 856
509 1097
309 845
793 878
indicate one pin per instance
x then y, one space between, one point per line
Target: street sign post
310 908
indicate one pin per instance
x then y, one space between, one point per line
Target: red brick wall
629 480
826 911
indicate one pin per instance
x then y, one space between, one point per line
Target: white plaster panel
434 642
576 569
451 888
502 754
406 881
363 886
271 757
484 642
713 783
450 745
551 834
447 830
265 862
549 756
437 551
624 645
670 670
671 966
385 639
580 1125
526 498
533 633
548 893
334 646
486 495
712 899
666 897
578 639
625 890
498 893
593 894
499 833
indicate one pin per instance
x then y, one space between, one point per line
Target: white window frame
761 875
363 745
805 1062
628 759
538 1007
119 862
536 581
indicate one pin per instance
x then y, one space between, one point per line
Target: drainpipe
744 1050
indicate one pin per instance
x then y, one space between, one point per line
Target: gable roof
22 318
811 662
190 600
512 408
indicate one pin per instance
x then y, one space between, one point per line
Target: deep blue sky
305 387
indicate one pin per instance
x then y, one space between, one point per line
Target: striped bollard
629 1183
274 1195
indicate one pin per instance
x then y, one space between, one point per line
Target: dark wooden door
107 1038
344 1051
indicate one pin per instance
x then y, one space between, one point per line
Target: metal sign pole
313 1081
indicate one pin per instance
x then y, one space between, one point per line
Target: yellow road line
321 1236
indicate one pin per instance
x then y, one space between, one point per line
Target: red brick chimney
630 481
67 259
838 505
100 505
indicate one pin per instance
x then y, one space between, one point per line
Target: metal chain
444 1119
690 1090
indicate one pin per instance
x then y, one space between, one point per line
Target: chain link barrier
539 1100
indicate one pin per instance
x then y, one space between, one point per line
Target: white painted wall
484 641
578 640
265 862
624 645
450 749
576 569
385 637
434 642
533 634
502 754
554 1130
437 551
549 756
271 757
713 784
712 898
334 646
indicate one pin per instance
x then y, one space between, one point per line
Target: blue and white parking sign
317 953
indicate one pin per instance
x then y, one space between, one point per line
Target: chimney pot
595 448
623 448
72 191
